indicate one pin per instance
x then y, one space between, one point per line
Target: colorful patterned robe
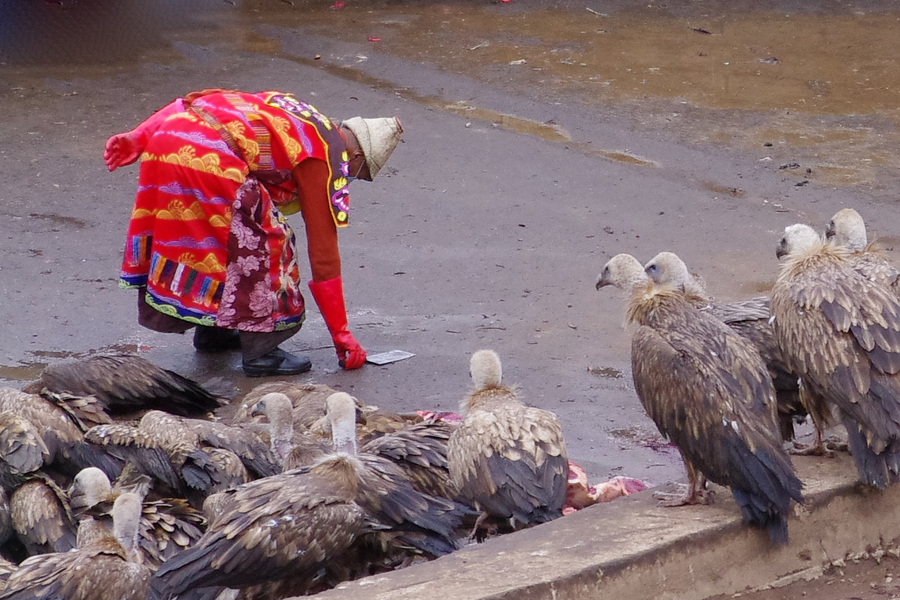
208 237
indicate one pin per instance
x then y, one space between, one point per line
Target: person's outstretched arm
326 286
124 148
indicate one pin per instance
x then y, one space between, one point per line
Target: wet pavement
540 139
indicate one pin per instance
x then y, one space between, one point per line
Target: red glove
329 296
124 148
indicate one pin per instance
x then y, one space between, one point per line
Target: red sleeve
312 180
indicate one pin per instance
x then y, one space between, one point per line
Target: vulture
847 229
291 445
100 569
177 467
507 460
749 319
708 391
242 442
167 526
126 383
61 431
420 449
307 401
285 525
841 331
41 516
22 450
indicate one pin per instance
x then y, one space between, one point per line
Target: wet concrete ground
541 138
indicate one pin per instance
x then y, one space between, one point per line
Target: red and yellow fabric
208 237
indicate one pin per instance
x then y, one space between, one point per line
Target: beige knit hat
377 139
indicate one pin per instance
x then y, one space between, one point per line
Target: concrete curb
632 548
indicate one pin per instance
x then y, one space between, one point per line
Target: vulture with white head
708 391
167 526
100 569
283 526
848 230
841 331
292 445
749 319
307 402
506 459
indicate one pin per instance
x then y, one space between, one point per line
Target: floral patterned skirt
206 239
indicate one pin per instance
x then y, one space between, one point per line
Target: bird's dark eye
651 268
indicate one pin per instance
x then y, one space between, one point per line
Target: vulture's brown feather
244 442
842 331
421 451
506 459
708 391
400 518
127 383
61 433
284 525
185 447
22 450
138 447
41 516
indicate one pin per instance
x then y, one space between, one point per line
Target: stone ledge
633 548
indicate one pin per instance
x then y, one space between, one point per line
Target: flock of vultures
726 381
118 480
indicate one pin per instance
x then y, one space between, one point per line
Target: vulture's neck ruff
647 302
810 258
340 468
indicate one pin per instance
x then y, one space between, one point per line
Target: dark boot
276 362
216 339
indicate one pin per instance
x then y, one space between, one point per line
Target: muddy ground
541 138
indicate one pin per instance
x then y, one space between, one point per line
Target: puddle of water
607 372
725 191
29 371
699 69
628 433
623 157
23 372
549 132
720 56
760 287
888 242
60 220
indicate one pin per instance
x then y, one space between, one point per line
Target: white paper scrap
391 356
